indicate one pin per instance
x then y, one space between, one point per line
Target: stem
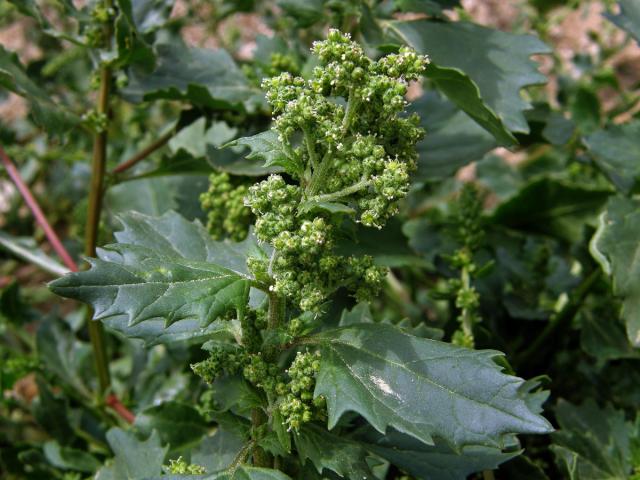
328 197
349 113
561 319
32 203
488 475
118 407
309 142
260 457
145 152
96 331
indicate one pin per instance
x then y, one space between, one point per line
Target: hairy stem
329 197
260 457
96 331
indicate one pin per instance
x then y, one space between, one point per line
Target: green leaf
439 461
605 338
554 207
163 268
27 249
616 151
592 443
267 147
332 452
218 451
46 113
70 458
616 246
180 426
304 12
628 18
63 355
203 77
134 459
485 84
132 48
420 387
149 15
453 139
430 7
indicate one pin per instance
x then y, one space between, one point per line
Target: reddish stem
32 203
112 401
117 406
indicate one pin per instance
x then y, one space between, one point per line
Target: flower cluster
224 203
298 405
181 467
345 126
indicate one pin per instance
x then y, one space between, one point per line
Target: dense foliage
373 241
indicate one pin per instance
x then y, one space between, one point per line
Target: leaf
605 339
70 458
629 17
134 459
46 113
266 146
304 12
453 139
592 443
430 7
63 355
440 462
485 84
163 268
616 151
218 451
27 249
554 207
616 246
243 472
149 15
180 426
420 387
328 451
132 48
203 77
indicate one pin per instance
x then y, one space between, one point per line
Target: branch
145 152
32 203
118 407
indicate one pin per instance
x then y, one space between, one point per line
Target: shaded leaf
420 387
616 246
439 461
328 451
616 151
179 426
592 443
554 207
217 452
70 458
453 139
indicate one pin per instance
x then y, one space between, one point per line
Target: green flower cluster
298 405
181 467
227 215
345 129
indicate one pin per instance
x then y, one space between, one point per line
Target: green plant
300 286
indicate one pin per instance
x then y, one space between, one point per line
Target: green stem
329 197
96 191
309 141
145 152
349 113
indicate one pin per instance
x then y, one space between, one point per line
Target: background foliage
524 199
